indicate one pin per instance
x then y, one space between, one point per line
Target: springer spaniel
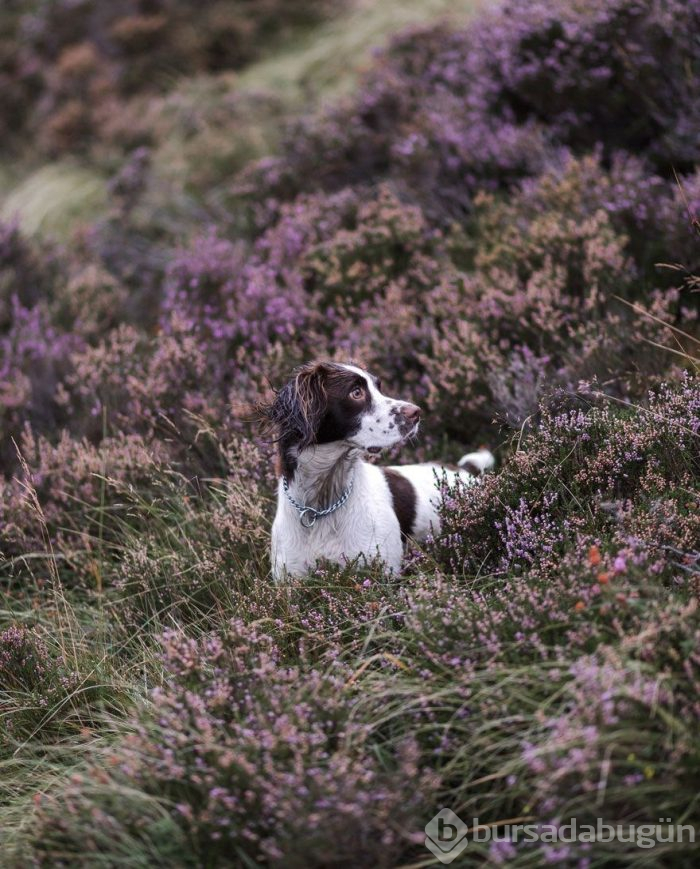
331 503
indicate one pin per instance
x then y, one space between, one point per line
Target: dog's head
329 402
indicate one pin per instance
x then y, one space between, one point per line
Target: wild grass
55 199
325 63
516 692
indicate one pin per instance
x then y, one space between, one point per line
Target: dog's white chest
365 526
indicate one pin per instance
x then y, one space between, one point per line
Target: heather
496 211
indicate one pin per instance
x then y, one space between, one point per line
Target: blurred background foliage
275 180
77 78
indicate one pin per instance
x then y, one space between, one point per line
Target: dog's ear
298 408
311 400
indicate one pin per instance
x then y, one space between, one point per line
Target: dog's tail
477 463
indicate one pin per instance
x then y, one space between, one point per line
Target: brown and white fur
327 418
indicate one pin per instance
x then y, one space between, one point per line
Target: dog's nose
411 412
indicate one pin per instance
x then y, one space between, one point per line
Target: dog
331 502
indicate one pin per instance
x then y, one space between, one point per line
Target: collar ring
308 517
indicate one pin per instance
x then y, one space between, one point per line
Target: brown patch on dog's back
403 497
471 468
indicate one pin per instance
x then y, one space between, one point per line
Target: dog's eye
357 394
